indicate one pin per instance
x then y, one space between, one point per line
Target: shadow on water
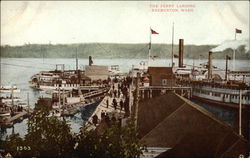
87 111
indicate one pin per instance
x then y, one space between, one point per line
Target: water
19 70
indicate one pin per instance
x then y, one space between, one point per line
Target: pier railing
164 88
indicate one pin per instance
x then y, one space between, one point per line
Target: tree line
112 50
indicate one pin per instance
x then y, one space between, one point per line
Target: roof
156 70
175 122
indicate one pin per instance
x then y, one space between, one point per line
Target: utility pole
173 46
240 112
137 97
12 97
28 102
226 72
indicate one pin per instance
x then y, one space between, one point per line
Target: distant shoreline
112 58
111 51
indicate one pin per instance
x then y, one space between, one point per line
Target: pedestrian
114 103
115 93
102 115
121 105
95 119
107 120
107 102
119 93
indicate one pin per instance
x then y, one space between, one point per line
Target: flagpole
173 45
235 35
234 50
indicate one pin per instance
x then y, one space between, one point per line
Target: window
164 81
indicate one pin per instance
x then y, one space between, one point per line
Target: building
97 72
161 76
172 121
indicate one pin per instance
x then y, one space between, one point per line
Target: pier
15 118
110 109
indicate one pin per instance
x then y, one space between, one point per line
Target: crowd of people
117 98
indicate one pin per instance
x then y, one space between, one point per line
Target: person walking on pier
121 105
119 93
114 103
126 107
107 102
95 119
102 115
115 93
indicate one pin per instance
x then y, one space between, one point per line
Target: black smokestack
181 46
90 60
210 66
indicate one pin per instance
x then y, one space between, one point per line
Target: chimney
181 43
90 60
210 67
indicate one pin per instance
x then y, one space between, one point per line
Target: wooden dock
102 107
17 117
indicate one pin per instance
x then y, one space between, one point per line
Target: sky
60 22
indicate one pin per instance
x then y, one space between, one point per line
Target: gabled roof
171 121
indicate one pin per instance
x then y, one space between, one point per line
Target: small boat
8 89
9 99
5 114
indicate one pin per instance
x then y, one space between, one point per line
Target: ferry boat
91 78
209 83
47 80
225 94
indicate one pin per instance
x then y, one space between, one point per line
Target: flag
154 32
238 31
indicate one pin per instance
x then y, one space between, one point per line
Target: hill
111 50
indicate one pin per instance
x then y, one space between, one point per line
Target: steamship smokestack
181 43
210 65
90 60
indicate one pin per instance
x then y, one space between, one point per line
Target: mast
42 53
227 58
173 45
12 97
76 60
28 102
240 112
149 47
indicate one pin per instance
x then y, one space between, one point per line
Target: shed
161 76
